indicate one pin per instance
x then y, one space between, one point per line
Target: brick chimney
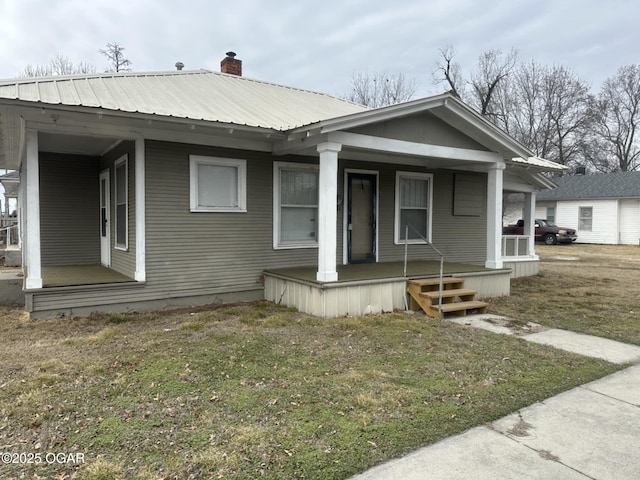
231 65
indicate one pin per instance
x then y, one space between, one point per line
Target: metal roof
209 96
583 187
196 95
543 163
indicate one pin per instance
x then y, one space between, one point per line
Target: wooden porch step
451 293
462 308
425 293
421 282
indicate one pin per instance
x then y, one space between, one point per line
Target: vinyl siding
195 250
422 128
630 222
214 253
69 207
216 250
604 223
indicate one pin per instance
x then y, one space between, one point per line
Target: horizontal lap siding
630 222
206 253
69 209
191 251
604 222
459 238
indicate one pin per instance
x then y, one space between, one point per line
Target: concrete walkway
590 432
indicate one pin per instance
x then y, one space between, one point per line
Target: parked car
546 231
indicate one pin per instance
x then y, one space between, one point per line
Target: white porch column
32 221
494 216
327 211
528 216
141 236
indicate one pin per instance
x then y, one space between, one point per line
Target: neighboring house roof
582 187
195 95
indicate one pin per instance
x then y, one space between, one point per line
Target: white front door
105 220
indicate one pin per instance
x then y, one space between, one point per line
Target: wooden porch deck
77 275
380 270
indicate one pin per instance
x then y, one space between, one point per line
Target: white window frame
122 160
551 217
397 227
581 218
239 164
277 168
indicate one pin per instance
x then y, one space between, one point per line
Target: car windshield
546 223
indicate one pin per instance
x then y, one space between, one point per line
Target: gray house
603 208
154 190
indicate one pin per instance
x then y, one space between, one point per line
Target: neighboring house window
295 205
551 214
218 184
585 219
121 201
413 206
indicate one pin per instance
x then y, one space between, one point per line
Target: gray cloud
319 45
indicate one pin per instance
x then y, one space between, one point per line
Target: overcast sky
320 44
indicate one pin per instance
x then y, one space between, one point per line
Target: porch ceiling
75 144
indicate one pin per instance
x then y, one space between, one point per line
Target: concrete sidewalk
590 432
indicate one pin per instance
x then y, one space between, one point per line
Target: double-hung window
413 207
585 218
122 204
218 184
551 214
295 205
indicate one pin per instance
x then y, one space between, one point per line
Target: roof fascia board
470 116
100 112
223 139
437 105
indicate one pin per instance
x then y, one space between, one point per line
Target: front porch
371 288
77 275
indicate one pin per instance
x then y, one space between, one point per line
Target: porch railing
514 246
438 252
9 235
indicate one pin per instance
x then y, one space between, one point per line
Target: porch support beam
32 254
494 215
388 146
140 274
327 212
529 219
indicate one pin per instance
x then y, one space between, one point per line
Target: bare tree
58 65
568 101
449 72
493 69
618 120
379 89
115 54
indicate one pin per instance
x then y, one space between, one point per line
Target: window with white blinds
295 210
413 207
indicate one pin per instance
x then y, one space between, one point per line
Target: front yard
593 289
260 391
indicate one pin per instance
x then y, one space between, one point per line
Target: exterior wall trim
140 274
345 253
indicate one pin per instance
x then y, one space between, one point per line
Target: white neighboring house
603 208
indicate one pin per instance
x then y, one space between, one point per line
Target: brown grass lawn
592 289
260 391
